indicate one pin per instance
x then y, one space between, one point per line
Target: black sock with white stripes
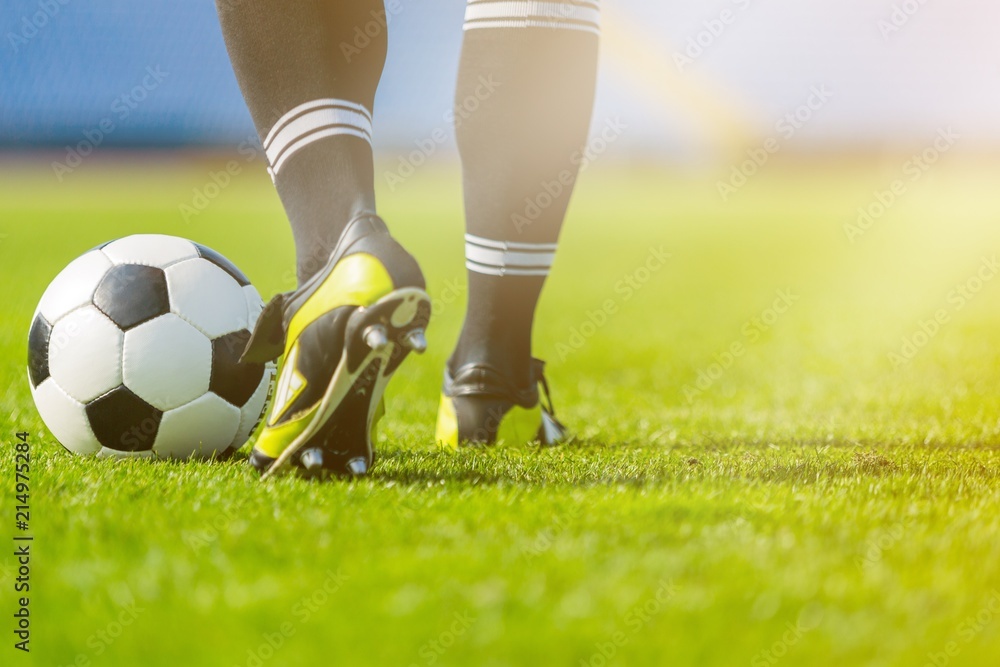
310 82
523 106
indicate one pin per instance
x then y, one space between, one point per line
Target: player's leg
523 107
360 306
311 104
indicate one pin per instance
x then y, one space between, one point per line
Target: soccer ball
134 351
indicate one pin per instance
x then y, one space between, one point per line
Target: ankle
513 368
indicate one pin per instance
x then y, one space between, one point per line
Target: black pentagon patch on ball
124 422
38 350
131 294
223 263
234 381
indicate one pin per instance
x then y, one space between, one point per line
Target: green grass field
748 486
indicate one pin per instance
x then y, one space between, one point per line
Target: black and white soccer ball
134 351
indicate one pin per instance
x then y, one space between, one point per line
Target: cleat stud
376 337
260 462
357 466
416 341
312 459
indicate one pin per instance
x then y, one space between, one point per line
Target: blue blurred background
897 71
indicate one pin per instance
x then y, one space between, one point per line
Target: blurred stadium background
898 70
764 486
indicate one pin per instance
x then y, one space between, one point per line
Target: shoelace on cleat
548 406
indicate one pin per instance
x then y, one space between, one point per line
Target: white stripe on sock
314 121
309 106
532 14
505 271
503 258
513 245
508 258
295 146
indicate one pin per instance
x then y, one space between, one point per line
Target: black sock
310 90
522 108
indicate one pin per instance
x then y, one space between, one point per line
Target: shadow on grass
583 463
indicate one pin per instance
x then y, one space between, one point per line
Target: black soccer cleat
343 333
479 406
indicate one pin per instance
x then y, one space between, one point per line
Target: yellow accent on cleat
291 383
446 432
357 280
518 426
274 439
